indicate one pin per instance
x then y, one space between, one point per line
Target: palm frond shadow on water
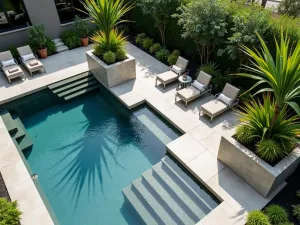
93 150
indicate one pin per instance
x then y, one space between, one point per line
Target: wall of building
39 12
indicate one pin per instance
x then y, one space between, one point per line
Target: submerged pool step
25 142
9 122
167 195
83 91
77 88
66 87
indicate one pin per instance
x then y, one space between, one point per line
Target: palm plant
106 14
272 141
281 74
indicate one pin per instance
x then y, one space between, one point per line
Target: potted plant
37 37
82 29
108 61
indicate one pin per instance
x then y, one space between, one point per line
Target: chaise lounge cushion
167 77
214 107
188 93
230 91
225 99
33 64
8 63
198 85
13 71
176 69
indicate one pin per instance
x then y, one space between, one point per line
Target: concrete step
83 91
139 186
70 80
59 43
66 87
62 48
9 122
197 192
56 40
144 210
77 88
169 199
25 142
20 133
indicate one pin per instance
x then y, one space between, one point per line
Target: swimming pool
87 150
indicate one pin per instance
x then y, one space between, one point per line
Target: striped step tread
9 122
77 88
68 97
86 79
69 80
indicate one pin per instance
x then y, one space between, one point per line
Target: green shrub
14 51
9 213
244 135
109 57
162 54
257 218
289 7
123 28
286 223
71 39
36 36
98 51
296 211
49 45
276 214
172 59
219 81
140 38
298 193
154 48
210 68
82 27
121 54
275 142
147 43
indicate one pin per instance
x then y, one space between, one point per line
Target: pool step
167 195
17 131
75 86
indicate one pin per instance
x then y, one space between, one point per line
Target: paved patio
197 149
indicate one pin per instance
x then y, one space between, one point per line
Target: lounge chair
175 71
30 60
198 88
10 66
222 102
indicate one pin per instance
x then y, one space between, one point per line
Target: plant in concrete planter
107 14
257 218
276 214
272 142
82 29
9 213
37 37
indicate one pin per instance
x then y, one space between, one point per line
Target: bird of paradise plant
107 14
281 74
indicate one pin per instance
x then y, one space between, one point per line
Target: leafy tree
280 74
204 21
9 212
160 11
247 21
289 7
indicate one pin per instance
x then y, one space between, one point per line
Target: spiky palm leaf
282 74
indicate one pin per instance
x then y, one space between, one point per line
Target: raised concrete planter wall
256 172
114 74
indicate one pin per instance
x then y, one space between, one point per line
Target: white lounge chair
198 88
175 71
222 102
10 66
30 60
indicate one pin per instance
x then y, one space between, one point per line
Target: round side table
183 83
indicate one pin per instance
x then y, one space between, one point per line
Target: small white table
183 82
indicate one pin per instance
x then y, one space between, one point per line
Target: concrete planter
256 172
114 74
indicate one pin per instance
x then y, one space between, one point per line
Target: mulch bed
287 196
3 190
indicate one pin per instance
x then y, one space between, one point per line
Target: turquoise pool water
86 151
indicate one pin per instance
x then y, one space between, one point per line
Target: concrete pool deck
197 149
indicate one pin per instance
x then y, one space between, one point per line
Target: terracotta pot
43 53
85 41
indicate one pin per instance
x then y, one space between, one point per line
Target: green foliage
244 135
274 142
140 38
123 28
109 57
49 45
246 23
298 193
147 43
296 211
210 68
107 14
276 214
205 23
172 58
289 7
14 51
98 51
9 213
121 54
36 36
154 48
257 218
286 223
162 54
116 41
82 27
160 11
70 39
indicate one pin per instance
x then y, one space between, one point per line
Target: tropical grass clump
272 141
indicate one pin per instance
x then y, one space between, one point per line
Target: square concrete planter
256 172
114 74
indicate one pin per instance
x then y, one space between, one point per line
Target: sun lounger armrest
235 102
217 95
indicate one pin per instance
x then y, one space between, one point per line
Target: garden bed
287 196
